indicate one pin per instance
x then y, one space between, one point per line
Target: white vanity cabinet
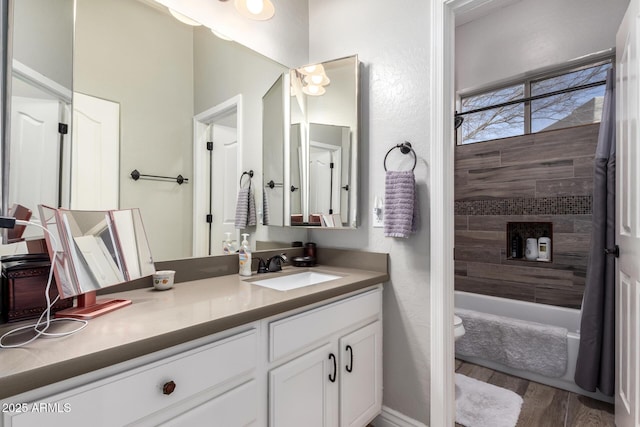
210 377
318 365
337 380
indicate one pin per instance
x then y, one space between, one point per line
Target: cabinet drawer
235 408
131 395
296 332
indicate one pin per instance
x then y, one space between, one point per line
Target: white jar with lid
531 249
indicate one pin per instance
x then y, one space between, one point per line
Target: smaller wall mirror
323 145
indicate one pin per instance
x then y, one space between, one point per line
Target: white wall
533 34
121 55
392 41
43 37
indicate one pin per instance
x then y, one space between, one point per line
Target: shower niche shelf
526 230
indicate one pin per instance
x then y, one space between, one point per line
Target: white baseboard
391 418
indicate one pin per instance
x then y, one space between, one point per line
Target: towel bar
136 175
272 184
250 173
405 148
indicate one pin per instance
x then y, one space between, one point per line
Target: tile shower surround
544 177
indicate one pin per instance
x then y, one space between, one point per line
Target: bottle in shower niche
544 249
244 256
516 247
531 251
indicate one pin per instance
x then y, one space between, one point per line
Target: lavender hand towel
400 204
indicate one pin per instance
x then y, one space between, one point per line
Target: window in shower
568 97
494 122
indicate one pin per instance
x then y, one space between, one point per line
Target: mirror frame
353 204
6 14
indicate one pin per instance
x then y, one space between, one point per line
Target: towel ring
405 148
250 173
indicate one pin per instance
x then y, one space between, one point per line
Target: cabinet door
302 393
235 408
361 375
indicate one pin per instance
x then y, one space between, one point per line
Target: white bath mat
480 404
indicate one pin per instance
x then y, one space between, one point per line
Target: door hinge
63 128
615 251
210 145
209 218
331 165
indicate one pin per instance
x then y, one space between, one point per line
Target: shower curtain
596 356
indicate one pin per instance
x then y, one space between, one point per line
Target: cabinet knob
168 387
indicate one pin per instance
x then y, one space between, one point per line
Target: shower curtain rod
533 98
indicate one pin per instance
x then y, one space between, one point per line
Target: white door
34 163
95 154
216 175
361 375
628 219
224 185
301 392
319 180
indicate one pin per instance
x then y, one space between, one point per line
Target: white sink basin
295 281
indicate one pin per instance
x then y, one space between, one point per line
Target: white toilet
458 327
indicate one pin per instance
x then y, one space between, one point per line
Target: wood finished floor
544 406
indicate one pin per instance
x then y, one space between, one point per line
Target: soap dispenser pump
244 256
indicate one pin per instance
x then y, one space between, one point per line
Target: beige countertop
157 320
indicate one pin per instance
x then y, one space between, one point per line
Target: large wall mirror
152 91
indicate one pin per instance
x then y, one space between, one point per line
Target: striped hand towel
400 204
245 209
265 208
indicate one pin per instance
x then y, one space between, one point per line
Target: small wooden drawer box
24 280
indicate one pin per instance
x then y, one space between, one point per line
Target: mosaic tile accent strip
565 205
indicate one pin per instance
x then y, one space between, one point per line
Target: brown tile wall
544 177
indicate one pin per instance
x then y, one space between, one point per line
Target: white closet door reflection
95 155
34 154
224 184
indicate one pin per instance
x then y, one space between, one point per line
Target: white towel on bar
400 204
245 208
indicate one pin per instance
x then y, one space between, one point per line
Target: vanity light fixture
317 79
184 19
260 10
313 69
313 79
314 90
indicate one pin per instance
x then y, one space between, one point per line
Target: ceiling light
184 19
314 90
260 10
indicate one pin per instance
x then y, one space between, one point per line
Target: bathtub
541 313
